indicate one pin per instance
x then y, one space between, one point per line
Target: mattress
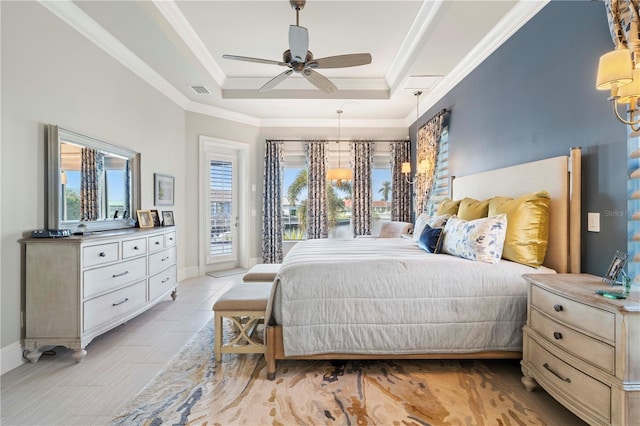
387 296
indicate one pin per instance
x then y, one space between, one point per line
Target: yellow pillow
448 206
527 226
471 209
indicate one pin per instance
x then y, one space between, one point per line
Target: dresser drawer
99 254
591 350
156 243
162 260
162 282
170 239
132 248
113 305
595 321
589 393
100 280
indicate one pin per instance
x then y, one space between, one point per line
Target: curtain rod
335 140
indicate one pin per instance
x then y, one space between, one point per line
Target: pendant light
339 174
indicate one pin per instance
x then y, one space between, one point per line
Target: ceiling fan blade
256 60
342 61
298 43
275 81
320 81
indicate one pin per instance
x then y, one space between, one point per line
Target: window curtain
272 233
317 220
127 189
362 198
440 186
427 149
400 188
90 173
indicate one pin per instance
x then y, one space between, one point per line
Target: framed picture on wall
144 219
167 218
156 217
163 189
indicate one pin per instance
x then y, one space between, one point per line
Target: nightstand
583 348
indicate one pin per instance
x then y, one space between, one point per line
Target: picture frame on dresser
617 263
156 218
167 218
163 189
145 220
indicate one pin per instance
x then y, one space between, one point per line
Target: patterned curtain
362 199
272 234
400 188
127 189
427 149
317 221
90 173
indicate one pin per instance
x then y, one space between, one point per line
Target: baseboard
11 357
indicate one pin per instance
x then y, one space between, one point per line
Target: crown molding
519 15
351 123
77 19
222 113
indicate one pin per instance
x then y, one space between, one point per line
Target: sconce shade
423 167
406 168
630 91
614 69
63 178
339 174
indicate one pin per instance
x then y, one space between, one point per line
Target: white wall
51 74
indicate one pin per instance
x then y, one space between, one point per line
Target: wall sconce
63 178
423 168
619 70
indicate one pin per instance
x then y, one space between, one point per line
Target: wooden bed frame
560 176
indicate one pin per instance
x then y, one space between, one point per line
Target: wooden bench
245 306
262 272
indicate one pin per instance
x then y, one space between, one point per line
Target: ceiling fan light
614 68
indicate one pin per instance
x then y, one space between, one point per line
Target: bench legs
246 322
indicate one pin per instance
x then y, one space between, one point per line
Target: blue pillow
430 239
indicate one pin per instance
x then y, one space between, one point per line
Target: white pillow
424 219
480 239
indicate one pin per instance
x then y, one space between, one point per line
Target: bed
386 298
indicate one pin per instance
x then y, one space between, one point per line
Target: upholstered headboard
560 176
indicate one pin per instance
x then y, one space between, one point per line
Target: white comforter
387 296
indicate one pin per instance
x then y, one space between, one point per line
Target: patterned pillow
424 219
480 239
430 239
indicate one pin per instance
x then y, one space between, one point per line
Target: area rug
194 390
226 273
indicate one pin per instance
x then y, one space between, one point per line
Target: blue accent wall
534 98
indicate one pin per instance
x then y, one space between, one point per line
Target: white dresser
79 287
583 348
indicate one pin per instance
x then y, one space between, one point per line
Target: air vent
200 90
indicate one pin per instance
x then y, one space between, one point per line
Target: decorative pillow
430 239
448 206
528 230
424 219
480 239
471 209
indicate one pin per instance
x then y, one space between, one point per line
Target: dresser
583 348
79 287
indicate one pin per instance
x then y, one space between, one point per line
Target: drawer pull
120 302
157 243
164 281
564 379
557 335
557 308
102 254
119 275
170 239
136 248
164 258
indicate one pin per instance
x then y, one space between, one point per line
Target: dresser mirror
91 185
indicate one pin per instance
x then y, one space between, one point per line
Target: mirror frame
55 135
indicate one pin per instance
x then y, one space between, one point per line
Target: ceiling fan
300 60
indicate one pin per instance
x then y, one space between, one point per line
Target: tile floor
56 391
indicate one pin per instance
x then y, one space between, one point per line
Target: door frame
208 144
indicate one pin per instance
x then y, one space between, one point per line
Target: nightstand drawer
584 317
132 248
156 243
170 239
589 393
100 254
591 350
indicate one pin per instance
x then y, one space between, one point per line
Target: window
294 194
